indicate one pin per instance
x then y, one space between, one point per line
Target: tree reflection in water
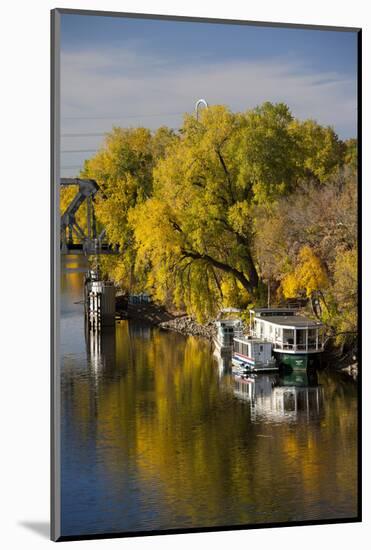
156 436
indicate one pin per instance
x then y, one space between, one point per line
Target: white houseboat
296 341
226 330
252 355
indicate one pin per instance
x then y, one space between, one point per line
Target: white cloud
124 82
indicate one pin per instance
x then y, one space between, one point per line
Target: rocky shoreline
189 327
157 315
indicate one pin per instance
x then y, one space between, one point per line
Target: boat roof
228 322
273 310
290 321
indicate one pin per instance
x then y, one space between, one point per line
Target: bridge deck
88 250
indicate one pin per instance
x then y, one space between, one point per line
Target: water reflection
286 398
100 349
224 364
155 436
139 330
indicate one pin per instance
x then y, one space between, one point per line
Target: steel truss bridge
74 240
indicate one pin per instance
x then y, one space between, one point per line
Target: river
156 435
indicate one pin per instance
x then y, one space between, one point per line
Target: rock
158 316
188 326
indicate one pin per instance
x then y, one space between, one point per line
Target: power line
94 134
85 135
79 150
118 117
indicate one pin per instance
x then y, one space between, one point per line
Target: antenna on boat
269 293
198 103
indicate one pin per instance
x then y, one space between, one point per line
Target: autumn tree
308 247
204 217
123 168
309 275
196 233
345 296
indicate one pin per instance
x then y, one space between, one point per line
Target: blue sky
130 72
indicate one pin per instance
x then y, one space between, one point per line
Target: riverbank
188 326
157 315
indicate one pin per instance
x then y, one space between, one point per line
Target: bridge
73 238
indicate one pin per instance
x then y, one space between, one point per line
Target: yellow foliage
345 291
184 207
309 275
290 286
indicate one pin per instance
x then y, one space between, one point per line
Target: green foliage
278 151
123 169
207 216
195 231
319 150
201 218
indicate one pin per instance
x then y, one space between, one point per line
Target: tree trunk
239 275
251 270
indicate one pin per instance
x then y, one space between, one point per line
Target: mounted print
205 281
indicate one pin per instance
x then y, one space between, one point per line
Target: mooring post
100 302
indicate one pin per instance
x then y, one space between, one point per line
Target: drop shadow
42 528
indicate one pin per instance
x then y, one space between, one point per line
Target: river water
157 435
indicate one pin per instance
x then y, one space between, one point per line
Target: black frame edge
55 527
359 266
195 530
197 19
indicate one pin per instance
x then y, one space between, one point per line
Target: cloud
149 90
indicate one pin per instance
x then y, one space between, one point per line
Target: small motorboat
252 355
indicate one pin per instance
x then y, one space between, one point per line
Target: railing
312 346
284 345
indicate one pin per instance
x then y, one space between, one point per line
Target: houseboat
297 341
226 330
252 355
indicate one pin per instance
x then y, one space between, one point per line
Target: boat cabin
252 350
226 330
287 330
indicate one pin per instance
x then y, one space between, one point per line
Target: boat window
300 337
